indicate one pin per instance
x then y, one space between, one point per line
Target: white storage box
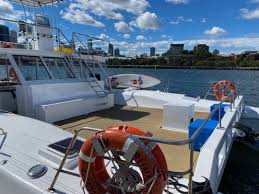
177 116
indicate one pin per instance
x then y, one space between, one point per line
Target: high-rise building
176 49
90 44
13 36
110 49
117 52
201 48
152 51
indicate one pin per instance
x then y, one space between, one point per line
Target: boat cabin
51 86
44 74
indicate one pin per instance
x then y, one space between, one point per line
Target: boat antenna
35 23
42 10
53 14
26 25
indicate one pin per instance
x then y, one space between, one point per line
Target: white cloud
110 9
254 1
164 36
146 21
178 1
204 20
215 31
235 44
248 42
181 19
122 27
8 12
6 9
104 37
140 38
126 36
249 14
77 16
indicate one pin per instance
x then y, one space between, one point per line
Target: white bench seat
71 108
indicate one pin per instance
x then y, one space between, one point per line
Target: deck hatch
61 147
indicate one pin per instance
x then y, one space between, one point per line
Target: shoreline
184 67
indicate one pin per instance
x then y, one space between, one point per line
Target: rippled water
196 82
241 174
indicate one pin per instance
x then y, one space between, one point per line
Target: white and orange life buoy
12 75
220 90
8 45
149 158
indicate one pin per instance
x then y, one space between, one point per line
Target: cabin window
23 27
42 20
77 67
5 67
32 68
85 68
59 68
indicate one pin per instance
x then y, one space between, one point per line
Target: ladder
93 82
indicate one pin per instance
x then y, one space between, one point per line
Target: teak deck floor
147 119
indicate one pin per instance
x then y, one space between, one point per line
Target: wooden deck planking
147 119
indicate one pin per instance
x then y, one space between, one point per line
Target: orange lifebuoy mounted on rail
147 156
220 89
8 45
12 75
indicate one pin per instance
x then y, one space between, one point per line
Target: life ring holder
93 170
220 90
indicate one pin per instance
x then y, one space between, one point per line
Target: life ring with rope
221 87
148 157
12 74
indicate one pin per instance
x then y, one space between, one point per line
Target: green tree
215 52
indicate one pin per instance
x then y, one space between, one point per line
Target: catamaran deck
147 119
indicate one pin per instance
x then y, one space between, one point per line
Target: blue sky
136 25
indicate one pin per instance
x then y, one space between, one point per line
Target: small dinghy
133 80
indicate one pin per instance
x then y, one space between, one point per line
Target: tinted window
59 68
61 146
42 20
85 70
32 68
5 68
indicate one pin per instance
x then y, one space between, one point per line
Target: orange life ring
8 45
12 75
149 158
220 89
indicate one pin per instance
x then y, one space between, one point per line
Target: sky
136 25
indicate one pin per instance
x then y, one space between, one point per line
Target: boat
64 129
133 80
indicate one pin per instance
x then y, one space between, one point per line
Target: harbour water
242 170
196 82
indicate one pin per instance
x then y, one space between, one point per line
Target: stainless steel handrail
75 35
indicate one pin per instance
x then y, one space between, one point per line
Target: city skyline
135 26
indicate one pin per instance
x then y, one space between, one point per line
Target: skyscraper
90 44
117 52
110 49
152 51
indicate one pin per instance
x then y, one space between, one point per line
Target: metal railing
77 41
30 37
97 88
189 141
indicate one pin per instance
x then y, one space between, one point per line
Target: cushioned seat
204 134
